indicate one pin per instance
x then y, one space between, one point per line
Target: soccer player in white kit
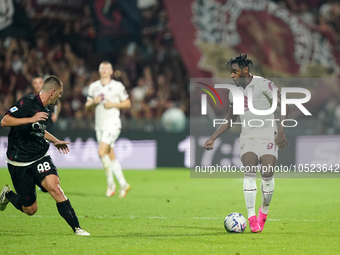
259 141
108 97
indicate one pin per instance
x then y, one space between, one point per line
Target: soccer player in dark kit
37 83
27 158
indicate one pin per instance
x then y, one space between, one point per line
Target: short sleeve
268 88
90 94
230 99
20 108
123 95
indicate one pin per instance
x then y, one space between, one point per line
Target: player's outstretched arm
209 144
10 121
280 139
62 146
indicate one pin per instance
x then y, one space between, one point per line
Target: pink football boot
262 218
254 225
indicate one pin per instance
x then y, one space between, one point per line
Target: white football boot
111 190
81 232
124 190
3 199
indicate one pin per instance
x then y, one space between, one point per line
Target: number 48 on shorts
43 167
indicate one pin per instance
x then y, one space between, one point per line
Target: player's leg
250 161
118 172
109 137
104 139
103 152
25 198
268 163
49 181
9 196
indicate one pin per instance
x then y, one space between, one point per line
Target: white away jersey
262 90
115 92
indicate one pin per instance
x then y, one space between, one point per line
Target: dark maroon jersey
26 143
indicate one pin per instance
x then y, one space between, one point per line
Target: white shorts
108 136
259 146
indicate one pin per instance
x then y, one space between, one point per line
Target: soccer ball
235 223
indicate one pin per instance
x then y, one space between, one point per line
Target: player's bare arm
126 104
55 114
10 121
280 139
209 144
92 103
62 146
54 117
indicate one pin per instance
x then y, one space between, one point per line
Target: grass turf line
167 212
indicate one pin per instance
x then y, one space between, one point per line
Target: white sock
106 164
249 190
118 172
267 188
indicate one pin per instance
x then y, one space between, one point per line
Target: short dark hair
35 76
105 62
51 82
241 60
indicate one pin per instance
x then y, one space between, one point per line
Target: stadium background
155 48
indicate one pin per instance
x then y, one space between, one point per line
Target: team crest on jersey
271 85
13 109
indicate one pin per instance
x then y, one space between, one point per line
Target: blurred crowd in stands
324 14
151 70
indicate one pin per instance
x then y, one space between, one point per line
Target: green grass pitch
167 212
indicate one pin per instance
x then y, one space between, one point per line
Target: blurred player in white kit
108 97
258 144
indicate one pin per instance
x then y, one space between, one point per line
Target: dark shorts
25 178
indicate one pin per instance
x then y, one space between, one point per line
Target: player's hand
281 141
108 104
98 99
62 146
39 116
209 145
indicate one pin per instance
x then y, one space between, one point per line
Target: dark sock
67 212
14 199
